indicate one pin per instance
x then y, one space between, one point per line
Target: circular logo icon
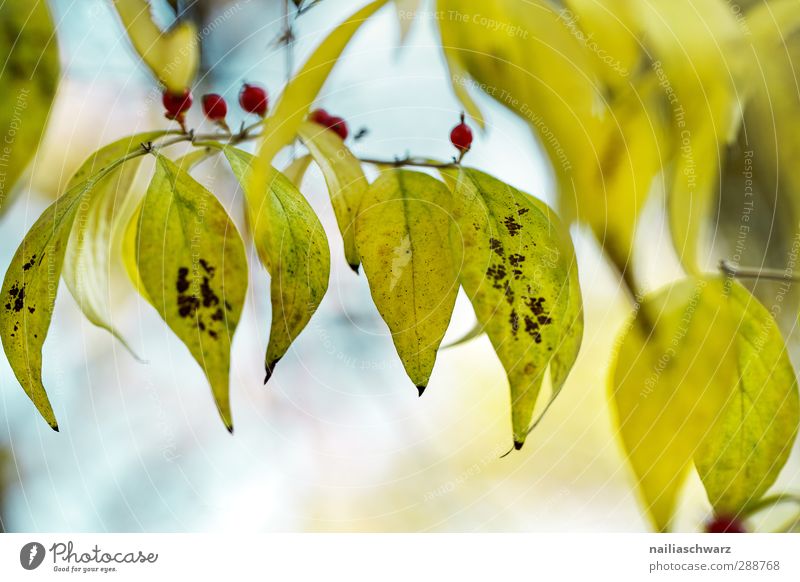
31 555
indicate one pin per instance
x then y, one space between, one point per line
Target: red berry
320 116
725 524
338 125
177 105
253 99
214 107
461 136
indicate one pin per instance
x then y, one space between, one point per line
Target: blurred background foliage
340 441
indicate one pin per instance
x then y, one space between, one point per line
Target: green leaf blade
193 267
402 238
743 456
292 246
514 266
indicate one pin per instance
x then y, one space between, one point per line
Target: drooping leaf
747 449
30 286
292 246
516 269
28 80
295 102
193 267
129 221
173 56
344 177
92 245
674 373
296 171
402 237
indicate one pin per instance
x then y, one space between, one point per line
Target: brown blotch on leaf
27 266
514 321
496 246
532 329
497 273
512 225
516 259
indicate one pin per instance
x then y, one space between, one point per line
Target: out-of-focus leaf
296 171
292 246
402 237
673 376
193 267
295 103
173 56
604 28
406 14
697 48
475 331
28 80
91 250
513 262
743 455
29 290
345 178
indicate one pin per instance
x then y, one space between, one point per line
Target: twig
729 270
409 161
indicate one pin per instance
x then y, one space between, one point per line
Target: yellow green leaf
406 14
193 267
510 251
292 246
29 289
743 455
344 177
674 373
28 81
402 237
173 56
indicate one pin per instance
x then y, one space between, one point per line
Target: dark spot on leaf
209 297
535 305
217 315
496 246
517 274
32 309
516 259
17 298
532 329
509 292
212 333
497 273
27 266
522 211
206 267
512 225
514 321
182 285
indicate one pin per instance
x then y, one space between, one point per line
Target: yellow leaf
172 56
402 237
193 266
292 245
345 178
518 270
673 375
28 81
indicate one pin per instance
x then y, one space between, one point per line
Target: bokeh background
339 441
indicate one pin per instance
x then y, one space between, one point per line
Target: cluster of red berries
335 124
252 98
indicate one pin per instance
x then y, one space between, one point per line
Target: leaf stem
409 161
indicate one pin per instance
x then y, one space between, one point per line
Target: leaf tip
421 389
354 267
229 427
518 444
54 426
270 369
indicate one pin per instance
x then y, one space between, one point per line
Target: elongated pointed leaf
296 171
402 237
673 376
28 80
295 102
173 56
31 281
517 271
746 451
292 245
344 177
193 266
